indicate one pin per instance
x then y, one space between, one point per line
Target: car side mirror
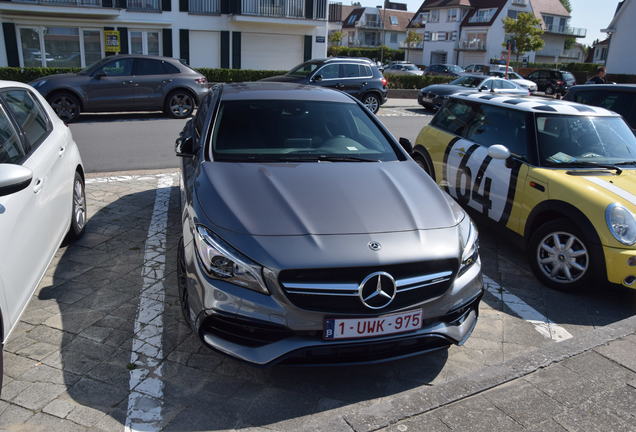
317 78
482 88
99 75
184 147
14 178
406 145
498 151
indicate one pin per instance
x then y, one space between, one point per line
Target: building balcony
61 8
274 8
520 2
370 24
89 3
361 43
472 45
144 5
418 45
565 30
204 7
559 53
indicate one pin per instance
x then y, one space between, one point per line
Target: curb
373 415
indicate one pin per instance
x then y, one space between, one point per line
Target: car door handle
61 151
37 187
339 85
364 83
166 81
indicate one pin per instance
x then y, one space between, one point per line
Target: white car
516 78
42 197
403 69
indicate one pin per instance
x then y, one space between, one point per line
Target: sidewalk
401 103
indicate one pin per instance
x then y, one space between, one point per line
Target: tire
182 280
66 105
78 214
372 102
180 104
560 268
424 161
549 90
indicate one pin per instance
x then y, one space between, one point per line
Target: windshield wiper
583 164
626 163
325 158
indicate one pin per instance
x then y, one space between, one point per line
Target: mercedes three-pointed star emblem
377 290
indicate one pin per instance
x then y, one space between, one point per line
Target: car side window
366 71
495 84
10 148
29 115
494 125
330 71
148 67
507 85
588 97
169 69
454 117
349 71
120 67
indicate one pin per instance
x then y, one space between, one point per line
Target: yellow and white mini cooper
560 174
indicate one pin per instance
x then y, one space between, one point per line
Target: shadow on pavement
96 284
119 117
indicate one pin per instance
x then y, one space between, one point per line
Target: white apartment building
468 32
620 53
371 27
241 34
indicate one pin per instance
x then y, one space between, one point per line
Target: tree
570 41
525 33
335 37
412 38
566 4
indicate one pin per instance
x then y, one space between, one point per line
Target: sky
592 15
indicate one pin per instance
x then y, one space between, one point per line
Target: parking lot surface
103 346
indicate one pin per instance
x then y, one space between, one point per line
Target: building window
453 15
434 16
513 13
427 36
393 38
59 46
351 19
454 36
483 15
144 42
394 20
439 36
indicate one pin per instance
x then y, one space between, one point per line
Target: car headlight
470 244
221 261
621 223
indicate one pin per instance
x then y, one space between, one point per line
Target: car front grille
336 290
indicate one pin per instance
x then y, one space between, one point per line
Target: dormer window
483 15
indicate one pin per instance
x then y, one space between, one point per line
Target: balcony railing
370 24
570 31
472 45
204 6
558 53
144 5
418 45
520 2
361 43
274 8
320 9
90 3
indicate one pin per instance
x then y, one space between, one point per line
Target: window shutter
121 4
166 5
123 39
184 6
184 45
308 42
11 44
309 9
167 42
225 49
107 3
236 50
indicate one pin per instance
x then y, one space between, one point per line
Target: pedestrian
599 78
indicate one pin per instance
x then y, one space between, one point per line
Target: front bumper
619 271
428 100
268 329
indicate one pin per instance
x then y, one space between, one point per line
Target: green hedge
26 75
414 81
236 75
386 53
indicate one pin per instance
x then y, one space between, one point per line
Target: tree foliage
526 33
566 4
336 37
412 38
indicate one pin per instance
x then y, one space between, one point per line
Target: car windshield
468 81
303 70
568 76
514 75
568 140
455 69
410 67
297 131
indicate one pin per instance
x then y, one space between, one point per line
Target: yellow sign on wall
112 41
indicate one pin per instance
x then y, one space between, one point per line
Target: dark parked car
620 98
361 78
433 96
310 236
552 82
444 70
125 83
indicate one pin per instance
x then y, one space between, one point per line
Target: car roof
610 87
140 56
535 104
282 91
345 59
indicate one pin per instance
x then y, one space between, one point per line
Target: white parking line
124 178
541 323
145 400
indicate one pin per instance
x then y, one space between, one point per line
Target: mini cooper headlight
470 244
221 261
621 223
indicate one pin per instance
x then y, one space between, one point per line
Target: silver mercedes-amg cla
310 236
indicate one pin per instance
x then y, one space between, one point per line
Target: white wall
205 49
621 58
440 46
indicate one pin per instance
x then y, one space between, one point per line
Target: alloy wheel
181 105
65 107
372 103
79 205
562 257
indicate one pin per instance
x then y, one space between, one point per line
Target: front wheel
561 256
180 104
549 90
66 106
78 216
372 102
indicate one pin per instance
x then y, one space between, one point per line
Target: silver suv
311 236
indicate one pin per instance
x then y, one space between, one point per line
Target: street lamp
382 33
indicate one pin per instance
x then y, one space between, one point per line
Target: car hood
62 76
447 89
324 198
284 78
524 82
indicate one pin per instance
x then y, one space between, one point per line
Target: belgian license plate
354 328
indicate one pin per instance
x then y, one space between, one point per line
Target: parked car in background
303 208
125 83
444 70
42 197
561 176
620 98
517 79
486 69
403 69
552 81
359 77
433 96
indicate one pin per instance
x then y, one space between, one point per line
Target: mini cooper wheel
182 282
180 104
561 256
372 102
424 161
78 216
66 106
